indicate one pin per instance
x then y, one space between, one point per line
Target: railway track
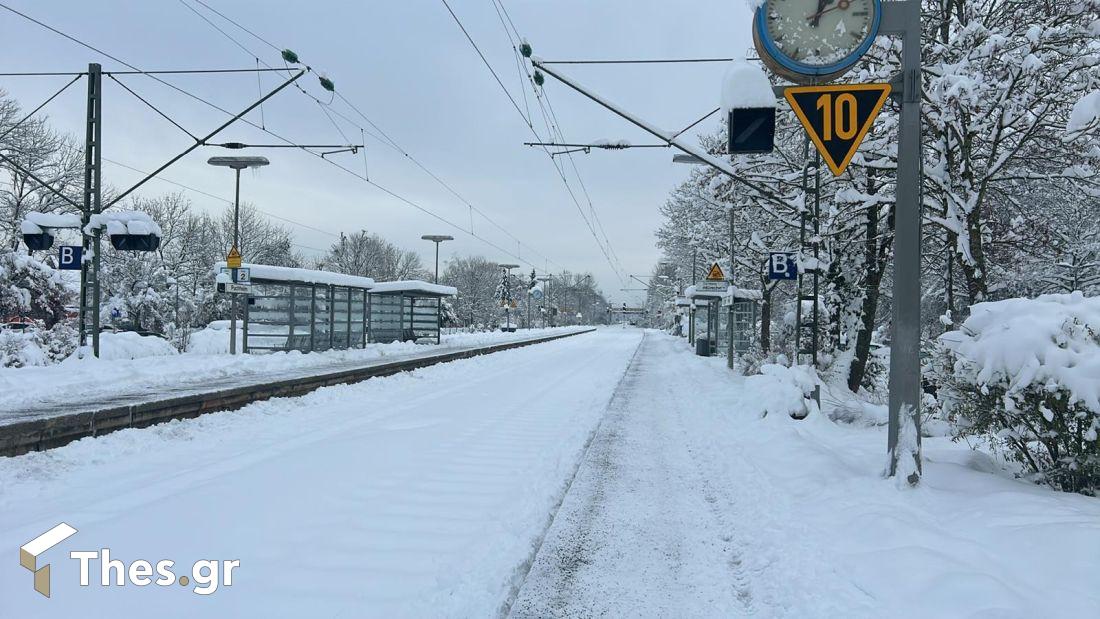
46 433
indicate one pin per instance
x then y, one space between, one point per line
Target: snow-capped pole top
123 222
34 223
744 86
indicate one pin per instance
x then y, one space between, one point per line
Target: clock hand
821 4
842 5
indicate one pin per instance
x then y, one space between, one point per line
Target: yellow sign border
713 268
837 169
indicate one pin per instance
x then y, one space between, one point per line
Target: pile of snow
1052 343
745 85
35 222
1086 113
123 222
130 345
778 390
305 276
213 340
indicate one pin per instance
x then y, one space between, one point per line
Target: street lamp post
236 164
437 239
546 298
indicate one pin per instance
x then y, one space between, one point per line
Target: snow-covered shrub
58 342
1026 378
31 288
19 349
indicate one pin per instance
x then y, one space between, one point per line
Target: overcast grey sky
409 68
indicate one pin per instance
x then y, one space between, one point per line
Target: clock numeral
839 117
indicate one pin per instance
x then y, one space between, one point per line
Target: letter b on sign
68 257
782 266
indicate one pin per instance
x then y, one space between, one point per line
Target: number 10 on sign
837 117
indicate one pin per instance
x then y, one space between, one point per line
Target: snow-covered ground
416 495
437 493
691 504
136 367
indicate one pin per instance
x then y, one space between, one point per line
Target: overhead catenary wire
530 126
40 106
381 136
246 121
553 120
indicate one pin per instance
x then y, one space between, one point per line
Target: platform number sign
782 266
68 257
837 118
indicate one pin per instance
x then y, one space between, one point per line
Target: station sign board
68 257
782 266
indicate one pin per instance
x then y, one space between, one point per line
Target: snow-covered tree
30 288
369 255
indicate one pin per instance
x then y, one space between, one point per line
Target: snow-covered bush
31 288
19 349
36 346
58 342
1026 378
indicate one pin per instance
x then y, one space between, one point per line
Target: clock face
817 36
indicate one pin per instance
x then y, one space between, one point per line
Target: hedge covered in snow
1026 377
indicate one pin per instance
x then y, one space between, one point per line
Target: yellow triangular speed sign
715 274
233 260
837 117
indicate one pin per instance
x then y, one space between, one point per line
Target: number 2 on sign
839 116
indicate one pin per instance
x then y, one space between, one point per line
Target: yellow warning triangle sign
837 117
233 260
715 273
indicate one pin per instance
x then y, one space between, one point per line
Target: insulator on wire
290 56
539 78
327 84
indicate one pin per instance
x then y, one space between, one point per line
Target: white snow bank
129 345
1050 342
305 276
778 390
1085 113
745 85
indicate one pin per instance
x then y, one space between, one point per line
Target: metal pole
904 443
89 270
729 315
437 262
233 296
